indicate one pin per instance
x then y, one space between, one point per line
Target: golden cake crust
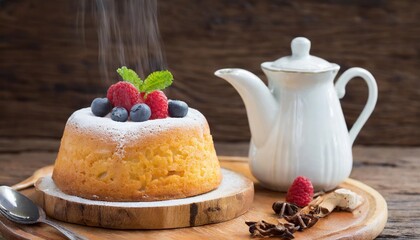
154 160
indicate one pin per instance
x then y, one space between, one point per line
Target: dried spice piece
303 221
265 229
342 199
285 209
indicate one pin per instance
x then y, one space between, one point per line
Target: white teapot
297 124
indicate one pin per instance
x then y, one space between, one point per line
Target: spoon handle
69 234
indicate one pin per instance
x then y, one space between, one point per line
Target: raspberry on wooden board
300 192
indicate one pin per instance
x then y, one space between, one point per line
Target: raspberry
158 103
300 192
123 94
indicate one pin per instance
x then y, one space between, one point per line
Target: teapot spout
260 104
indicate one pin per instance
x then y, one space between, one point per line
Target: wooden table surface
392 171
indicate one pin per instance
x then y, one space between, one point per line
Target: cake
164 158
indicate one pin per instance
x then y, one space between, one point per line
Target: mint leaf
130 76
158 80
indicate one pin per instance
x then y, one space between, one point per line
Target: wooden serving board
231 199
366 222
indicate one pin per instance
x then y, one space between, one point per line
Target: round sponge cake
158 159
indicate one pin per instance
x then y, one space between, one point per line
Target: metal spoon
18 208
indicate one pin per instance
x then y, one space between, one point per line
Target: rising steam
128 35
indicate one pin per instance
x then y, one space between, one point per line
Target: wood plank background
47 71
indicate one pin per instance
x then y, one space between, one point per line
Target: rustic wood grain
392 171
47 70
365 223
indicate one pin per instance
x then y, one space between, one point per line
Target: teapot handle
372 98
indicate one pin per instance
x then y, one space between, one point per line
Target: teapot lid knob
300 47
300 60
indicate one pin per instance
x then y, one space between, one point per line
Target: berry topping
177 108
123 94
133 91
140 113
300 192
100 107
158 103
119 114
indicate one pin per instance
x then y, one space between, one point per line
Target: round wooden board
366 223
231 199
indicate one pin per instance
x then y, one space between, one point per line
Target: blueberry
119 114
100 107
140 113
177 108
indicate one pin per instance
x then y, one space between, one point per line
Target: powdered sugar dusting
83 120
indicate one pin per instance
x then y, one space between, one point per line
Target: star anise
303 221
265 229
285 209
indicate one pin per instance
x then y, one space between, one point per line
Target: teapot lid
300 60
